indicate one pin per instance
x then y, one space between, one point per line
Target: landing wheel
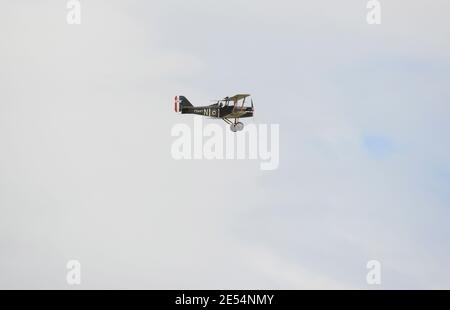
233 128
239 126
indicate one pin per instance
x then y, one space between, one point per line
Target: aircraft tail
181 102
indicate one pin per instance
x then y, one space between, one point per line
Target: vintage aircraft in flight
226 109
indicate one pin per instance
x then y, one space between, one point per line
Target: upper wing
238 97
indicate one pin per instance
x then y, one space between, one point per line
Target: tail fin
181 102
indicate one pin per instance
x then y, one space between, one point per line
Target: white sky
85 165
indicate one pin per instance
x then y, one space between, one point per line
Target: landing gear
239 126
236 126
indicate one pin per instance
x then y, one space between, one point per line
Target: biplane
229 109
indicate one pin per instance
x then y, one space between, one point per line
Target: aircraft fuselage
219 112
